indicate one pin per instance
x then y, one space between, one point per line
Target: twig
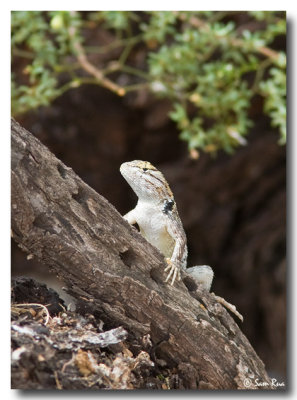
259 74
67 363
90 68
35 305
23 53
58 384
266 51
113 45
137 86
134 71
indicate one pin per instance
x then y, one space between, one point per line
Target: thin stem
125 53
127 49
76 83
220 15
67 67
23 53
89 67
134 71
259 74
236 42
137 86
114 44
266 51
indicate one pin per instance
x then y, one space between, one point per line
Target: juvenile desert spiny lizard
158 220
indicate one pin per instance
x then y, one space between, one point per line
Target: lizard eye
144 169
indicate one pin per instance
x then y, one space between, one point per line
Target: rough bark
113 272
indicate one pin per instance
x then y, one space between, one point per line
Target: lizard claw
173 271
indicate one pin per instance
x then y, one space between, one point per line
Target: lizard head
146 180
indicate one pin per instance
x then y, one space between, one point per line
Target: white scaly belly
152 223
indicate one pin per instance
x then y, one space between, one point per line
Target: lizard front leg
178 258
174 270
130 217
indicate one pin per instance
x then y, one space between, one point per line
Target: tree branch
89 67
114 273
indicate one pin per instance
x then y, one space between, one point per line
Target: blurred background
202 96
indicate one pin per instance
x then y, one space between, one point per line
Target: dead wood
115 274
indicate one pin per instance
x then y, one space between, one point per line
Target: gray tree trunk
115 273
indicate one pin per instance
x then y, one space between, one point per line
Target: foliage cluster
208 64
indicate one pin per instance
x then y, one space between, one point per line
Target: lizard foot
173 271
